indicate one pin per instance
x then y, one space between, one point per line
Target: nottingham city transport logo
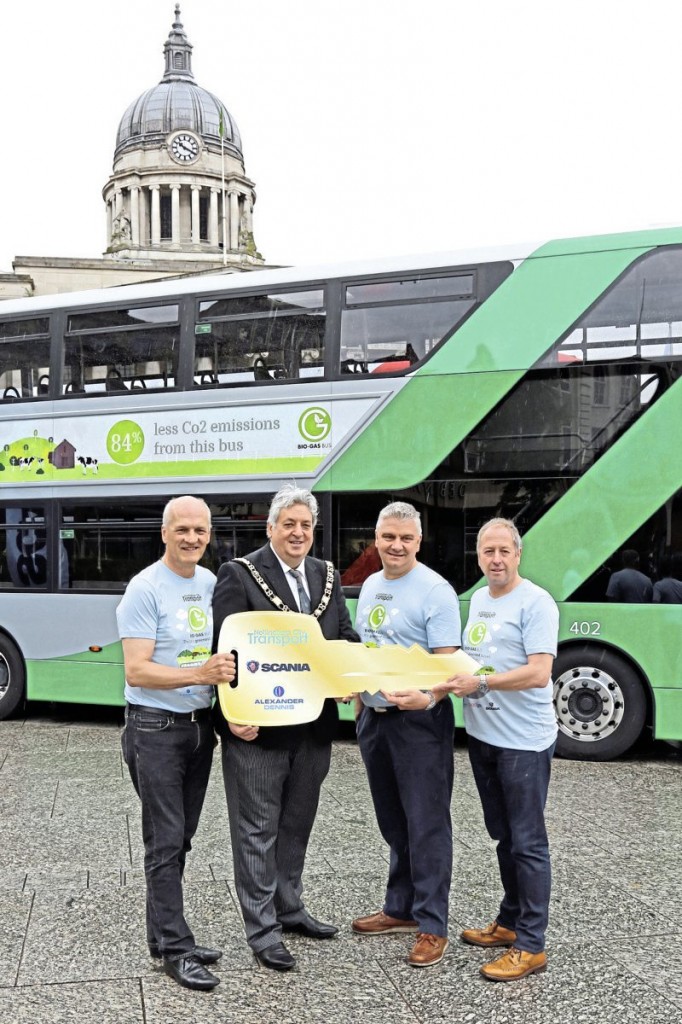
377 616
314 424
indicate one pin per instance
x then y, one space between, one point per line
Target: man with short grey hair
165 625
509 717
406 739
273 775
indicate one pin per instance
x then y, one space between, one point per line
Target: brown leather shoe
382 924
514 964
493 935
427 950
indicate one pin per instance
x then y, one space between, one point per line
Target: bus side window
388 326
121 349
260 338
24 359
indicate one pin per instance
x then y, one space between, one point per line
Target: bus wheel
599 701
12 677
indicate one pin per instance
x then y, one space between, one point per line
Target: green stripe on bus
75 682
626 486
432 414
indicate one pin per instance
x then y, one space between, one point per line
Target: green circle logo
125 442
377 616
476 634
315 423
198 619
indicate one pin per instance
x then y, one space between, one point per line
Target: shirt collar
285 568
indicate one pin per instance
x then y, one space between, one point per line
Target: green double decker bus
538 384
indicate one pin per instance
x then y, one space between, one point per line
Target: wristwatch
432 700
483 687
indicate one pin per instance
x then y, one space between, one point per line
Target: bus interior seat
261 371
114 381
353 366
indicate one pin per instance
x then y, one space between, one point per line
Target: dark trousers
169 760
272 798
512 785
409 760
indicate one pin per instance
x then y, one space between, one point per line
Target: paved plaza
72 936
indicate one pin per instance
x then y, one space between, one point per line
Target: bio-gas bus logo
314 423
476 634
376 616
197 618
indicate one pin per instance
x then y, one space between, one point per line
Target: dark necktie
303 599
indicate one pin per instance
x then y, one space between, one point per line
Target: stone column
213 217
234 218
135 215
156 214
110 221
196 223
175 214
248 214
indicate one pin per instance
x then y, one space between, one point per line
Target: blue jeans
410 768
169 759
512 785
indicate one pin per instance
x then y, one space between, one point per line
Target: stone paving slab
15 909
95 1002
95 764
40 843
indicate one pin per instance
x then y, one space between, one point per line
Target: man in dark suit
273 775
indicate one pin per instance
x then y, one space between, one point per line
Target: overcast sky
370 127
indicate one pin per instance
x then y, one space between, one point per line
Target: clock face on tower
184 148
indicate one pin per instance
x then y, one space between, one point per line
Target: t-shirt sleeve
540 625
138 613
443 624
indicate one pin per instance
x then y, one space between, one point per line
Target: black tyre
12 677
600 703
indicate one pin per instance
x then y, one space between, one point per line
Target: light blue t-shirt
417 608
502 632
175 612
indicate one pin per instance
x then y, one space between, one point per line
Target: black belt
198 715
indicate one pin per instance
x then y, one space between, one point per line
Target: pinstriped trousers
272 798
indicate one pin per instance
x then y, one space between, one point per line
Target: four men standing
273 775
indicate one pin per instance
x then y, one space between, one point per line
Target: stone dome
177 102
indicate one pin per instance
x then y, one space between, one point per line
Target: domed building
178 201
179 188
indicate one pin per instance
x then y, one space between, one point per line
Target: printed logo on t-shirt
376 617
193 656
476 633
197 619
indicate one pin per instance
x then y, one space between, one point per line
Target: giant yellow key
286 668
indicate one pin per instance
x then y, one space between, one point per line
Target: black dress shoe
277 957
187 971
204 954
312 928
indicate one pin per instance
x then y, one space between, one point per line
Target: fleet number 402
585 628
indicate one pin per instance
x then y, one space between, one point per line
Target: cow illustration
88 462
